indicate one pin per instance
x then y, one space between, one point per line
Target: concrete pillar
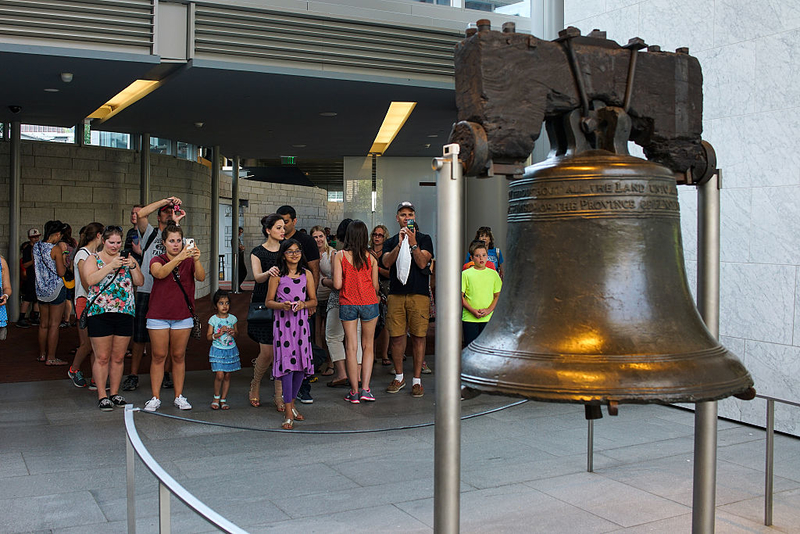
235 225
14 196
144 177
214 252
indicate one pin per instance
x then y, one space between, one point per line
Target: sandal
255 402
56 361
288 424
223 404
386 361
328 372
297 416
41 359
339 382
279 404
215 403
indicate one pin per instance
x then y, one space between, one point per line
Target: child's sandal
223 404
215 403
288 424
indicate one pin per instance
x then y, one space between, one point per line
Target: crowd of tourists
323 303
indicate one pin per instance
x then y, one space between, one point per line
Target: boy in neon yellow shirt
480 289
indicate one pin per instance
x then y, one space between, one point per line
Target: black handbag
259 313
197 325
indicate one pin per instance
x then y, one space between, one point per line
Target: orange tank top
357 287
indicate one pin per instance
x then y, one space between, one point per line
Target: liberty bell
596 308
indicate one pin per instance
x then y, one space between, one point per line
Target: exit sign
288 160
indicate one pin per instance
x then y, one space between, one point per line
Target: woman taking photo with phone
111 307
169 317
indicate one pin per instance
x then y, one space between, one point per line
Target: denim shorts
350 312
169 324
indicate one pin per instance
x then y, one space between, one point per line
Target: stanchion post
590 447
164 526
705 415
131 481
769 476
447 445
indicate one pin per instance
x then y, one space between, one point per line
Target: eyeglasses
293 252
376 234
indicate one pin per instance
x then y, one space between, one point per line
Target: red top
357 289
166 299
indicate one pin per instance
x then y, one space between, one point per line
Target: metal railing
769 476
166 486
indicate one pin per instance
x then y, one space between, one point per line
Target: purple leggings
291 385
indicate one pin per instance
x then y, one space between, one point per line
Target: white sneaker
152 405
182 403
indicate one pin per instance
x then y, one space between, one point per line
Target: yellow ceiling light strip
134 92
395 119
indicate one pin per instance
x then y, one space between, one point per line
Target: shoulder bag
197 326
84 318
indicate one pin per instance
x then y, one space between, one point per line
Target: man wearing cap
408 303
29 282
169 209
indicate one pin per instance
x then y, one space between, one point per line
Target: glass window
335 196
187 151
110 139
159 145
53 134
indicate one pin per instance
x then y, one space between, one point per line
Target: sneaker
131 383
305 397
92 385
396 386
152 405
105 405
118 400
77 378
64 324
167 382
181 403
417 391
352 397
425 369
366 395
23 323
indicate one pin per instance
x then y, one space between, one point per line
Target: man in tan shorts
408 304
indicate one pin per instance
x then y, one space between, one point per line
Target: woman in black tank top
263 260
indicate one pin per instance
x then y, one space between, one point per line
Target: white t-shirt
156 248
82 254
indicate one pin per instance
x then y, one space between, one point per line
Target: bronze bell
597 308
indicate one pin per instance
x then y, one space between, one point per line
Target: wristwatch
414 247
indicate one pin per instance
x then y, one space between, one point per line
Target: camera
176 209
14 109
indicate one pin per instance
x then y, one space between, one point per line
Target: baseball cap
406 204
33 232
168 207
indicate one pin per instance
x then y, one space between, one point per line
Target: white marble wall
750 54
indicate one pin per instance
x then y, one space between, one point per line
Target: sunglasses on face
376 234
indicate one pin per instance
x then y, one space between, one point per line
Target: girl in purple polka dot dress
290 296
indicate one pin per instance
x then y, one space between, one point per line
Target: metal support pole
590 448
770 468
163 509
214 252
235 225
131 484
447 436
705 415
144 177
14 196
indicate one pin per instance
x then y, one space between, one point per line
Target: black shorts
110 324
29 290
140 334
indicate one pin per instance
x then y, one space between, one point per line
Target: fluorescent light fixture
134 92
395 119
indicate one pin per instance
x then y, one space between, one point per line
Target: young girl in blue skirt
290 295
224 354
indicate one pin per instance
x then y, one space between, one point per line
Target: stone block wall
335 215
79 185
751 98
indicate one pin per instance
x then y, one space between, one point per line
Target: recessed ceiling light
51 90
328 114
432 136
298 146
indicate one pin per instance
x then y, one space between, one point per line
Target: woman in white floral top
111 308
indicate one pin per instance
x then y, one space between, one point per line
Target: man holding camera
409 302
169 209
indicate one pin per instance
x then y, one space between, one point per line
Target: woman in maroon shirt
169 321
